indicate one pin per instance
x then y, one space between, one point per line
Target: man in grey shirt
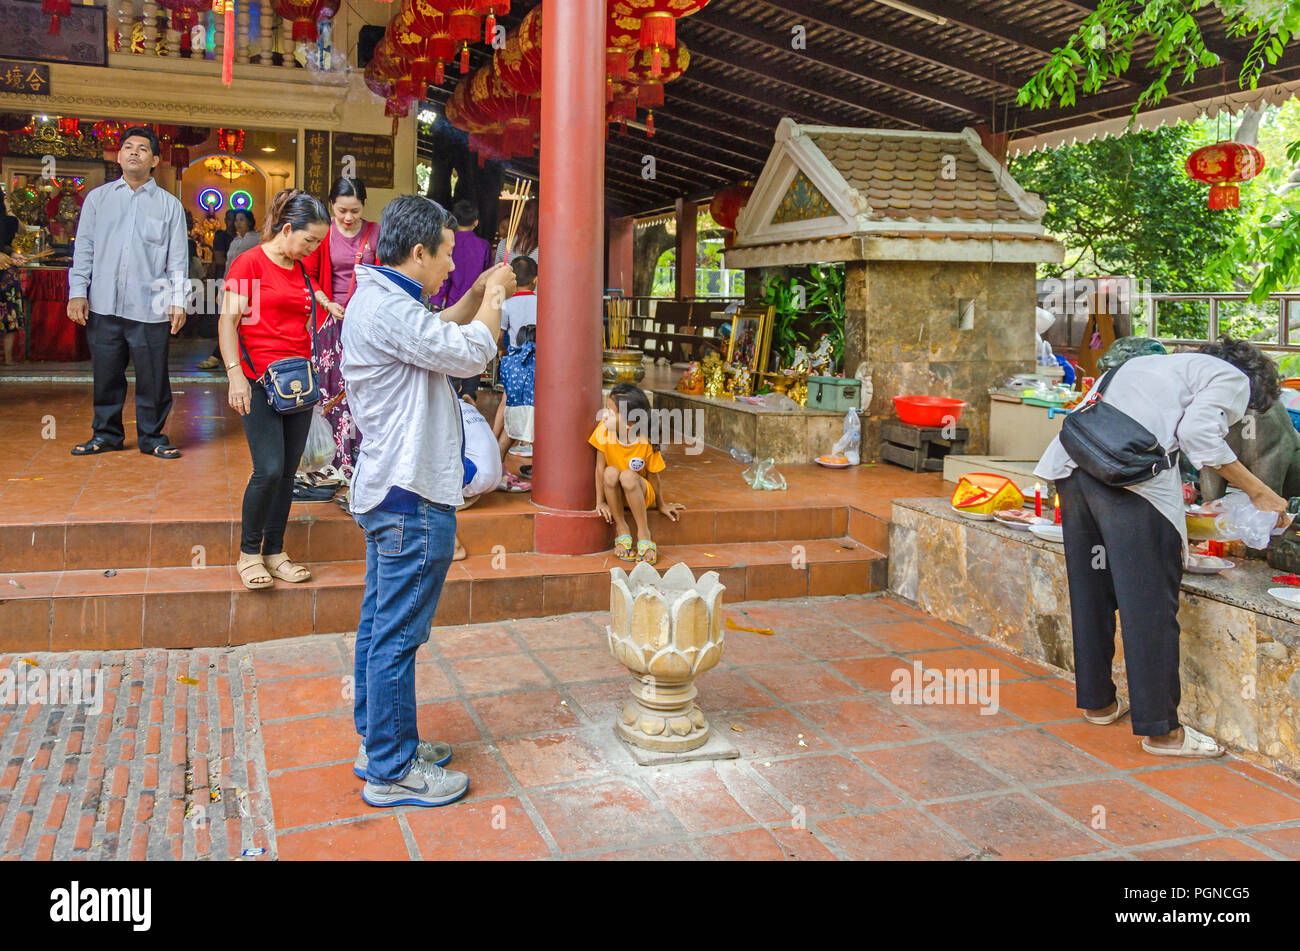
127 287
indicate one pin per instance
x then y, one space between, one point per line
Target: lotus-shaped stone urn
667 631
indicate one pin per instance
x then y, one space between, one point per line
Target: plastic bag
319 451
779 401
847 445
763 475
1239 520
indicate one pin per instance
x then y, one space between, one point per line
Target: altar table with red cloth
52 335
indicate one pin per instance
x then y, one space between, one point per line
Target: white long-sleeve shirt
131 257
1188 401
396 360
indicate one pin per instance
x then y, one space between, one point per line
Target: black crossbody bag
1110 445
291 384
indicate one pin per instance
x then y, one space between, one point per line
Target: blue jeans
407 557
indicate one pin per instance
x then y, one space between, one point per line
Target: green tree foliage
1169 33
1124 205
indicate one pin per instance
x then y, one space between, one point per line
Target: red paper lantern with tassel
1223 165
426 53
57 9
492 9
462 24
519 62
727 203
650 90
304 15
658 20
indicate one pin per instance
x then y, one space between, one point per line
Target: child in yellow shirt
627 471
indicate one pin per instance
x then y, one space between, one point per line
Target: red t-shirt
275 325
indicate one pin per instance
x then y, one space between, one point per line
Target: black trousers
276 443
1122 554
113 341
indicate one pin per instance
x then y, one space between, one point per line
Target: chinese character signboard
31 79
82 38
366 157
316 163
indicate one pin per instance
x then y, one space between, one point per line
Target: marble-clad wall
900 317
1240 666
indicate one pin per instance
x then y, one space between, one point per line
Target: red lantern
69 127
658 19
180 156
519 62
1222 165
426 53
727 203
109 133
56 9
493 9
230 140
650 92
304 14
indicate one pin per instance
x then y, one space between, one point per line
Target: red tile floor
829 766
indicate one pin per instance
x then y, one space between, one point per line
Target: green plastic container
834 392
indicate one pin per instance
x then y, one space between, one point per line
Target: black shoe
93 447
525 472
303 492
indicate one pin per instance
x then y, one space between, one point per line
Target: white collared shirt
397 356
131 256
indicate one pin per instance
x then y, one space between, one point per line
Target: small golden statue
714 376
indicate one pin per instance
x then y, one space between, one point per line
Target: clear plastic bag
1239 520
763 475
319 451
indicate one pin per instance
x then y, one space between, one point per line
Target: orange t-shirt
640 457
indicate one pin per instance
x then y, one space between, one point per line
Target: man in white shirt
1125 547
409 479
127 286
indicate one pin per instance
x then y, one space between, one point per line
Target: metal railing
1285 335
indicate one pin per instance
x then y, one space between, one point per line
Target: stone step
174 607
323 532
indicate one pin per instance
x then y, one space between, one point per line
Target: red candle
1038 501
1056 503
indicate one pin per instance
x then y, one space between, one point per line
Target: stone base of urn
666 630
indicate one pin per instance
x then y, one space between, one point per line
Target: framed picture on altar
751 338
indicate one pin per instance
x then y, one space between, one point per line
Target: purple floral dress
329 341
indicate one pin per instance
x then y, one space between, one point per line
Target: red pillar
686 245
618 272
571 190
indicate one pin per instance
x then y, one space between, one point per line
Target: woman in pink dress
351 241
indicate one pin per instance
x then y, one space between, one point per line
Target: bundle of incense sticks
619 311
517 211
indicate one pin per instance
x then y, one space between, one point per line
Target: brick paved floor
829 767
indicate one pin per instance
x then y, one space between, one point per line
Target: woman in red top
350 240
265 317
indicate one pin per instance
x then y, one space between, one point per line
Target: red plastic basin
928 410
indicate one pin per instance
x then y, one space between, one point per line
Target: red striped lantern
493 9
726 204
463 25
622 34
658 20
650 89
519 62
426 54
1223 165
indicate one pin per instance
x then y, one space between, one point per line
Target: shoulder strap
312 297
1105 382
361 253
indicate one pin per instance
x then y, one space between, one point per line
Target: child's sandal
623 548
647 552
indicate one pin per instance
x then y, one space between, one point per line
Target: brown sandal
251 567
281 567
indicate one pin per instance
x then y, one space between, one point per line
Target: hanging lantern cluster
658 21
230 140
1223 165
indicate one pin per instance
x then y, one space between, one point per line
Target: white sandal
1195 744
1121 708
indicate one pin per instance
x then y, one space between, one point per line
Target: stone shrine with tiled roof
837 194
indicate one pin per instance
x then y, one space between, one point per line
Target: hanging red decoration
658 18
727 203
304 15
57 9
651 89
519 62
226 10
493 9
462 19
69 127
425 53
108 133
230 140
1223 165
